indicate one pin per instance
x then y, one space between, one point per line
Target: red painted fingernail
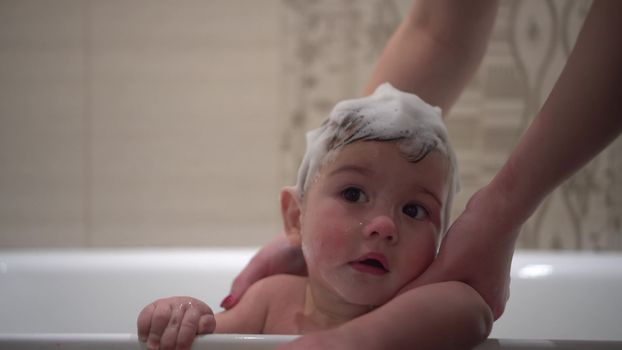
226 303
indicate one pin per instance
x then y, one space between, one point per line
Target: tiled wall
138 122
332 45
164 123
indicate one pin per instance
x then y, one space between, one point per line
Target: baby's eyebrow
351 168
433 195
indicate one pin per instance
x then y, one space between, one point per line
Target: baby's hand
172 323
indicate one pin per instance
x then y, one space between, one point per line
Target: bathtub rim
112 341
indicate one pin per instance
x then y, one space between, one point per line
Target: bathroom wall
332 46
138 123
155 123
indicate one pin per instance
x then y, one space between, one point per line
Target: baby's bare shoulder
277 285
285 296
261 301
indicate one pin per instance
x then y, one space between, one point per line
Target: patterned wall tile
330 51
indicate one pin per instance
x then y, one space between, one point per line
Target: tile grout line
87 159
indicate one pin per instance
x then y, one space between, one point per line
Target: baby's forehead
386 158
377 152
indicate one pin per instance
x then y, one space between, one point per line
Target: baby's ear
290 211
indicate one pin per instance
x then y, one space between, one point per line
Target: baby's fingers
169 337
159 321
188 329
193 323
144 322
207 324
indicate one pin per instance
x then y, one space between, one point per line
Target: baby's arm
447 315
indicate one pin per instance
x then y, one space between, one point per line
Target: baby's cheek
420 257
330 244
329 231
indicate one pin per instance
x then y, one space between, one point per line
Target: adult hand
276 257
478 249
173 323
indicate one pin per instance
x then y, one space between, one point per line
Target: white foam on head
386 115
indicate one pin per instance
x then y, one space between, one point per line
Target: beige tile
184 123
41 124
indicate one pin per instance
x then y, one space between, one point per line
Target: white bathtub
74 299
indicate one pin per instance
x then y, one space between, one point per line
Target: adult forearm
448 315
582 115
436 49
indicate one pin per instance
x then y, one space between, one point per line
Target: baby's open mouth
372 263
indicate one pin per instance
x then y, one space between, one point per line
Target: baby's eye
416 211
353 194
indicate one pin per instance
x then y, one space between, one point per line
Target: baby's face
370 220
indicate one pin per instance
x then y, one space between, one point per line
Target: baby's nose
382 227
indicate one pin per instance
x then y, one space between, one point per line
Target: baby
371 204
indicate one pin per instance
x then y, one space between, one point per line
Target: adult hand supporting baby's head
478 250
